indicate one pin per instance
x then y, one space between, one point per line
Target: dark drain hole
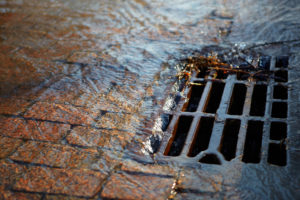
202 136
282 62
258 101
237 99
278 130
279 110
277 154
166 119
214 97
194 98
264 62
210 159
281 76
221 74
175 146
280 92
202 73
253 142
230 138
242 76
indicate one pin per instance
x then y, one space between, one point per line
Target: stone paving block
13 106
200 181
55 155
61 113
73 182
10 172
96 102
85 136
133 166
138 186
70 83
109 160
8 145
104 102
119 121
124 101
31 129
58 96
17 72
83 56
140 148
6 194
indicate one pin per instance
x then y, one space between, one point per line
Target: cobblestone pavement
64 121
72 108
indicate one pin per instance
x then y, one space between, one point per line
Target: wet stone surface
138 185
83 82
61 181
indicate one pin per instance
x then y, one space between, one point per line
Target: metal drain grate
228 116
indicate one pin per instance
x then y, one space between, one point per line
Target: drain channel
253 142
229 117
237 99
194 98
180 134
202 137
230 138
258 101
214 97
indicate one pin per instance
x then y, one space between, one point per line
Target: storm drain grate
228 117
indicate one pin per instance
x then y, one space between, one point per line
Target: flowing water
119 56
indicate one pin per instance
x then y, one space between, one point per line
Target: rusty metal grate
229 117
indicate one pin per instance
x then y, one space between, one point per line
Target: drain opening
221 74
279 110
203 73
210 159
214 97
277 154
166 119
202 136
237 99
278 130
264 62
175 146
230 138
253 142
281 76
194 97
280 92
282 62
258 101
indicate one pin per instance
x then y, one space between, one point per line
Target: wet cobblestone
85 183
81 80
8 146
89 137
12 195
55 155
138 186
13 106
32 129
61 113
